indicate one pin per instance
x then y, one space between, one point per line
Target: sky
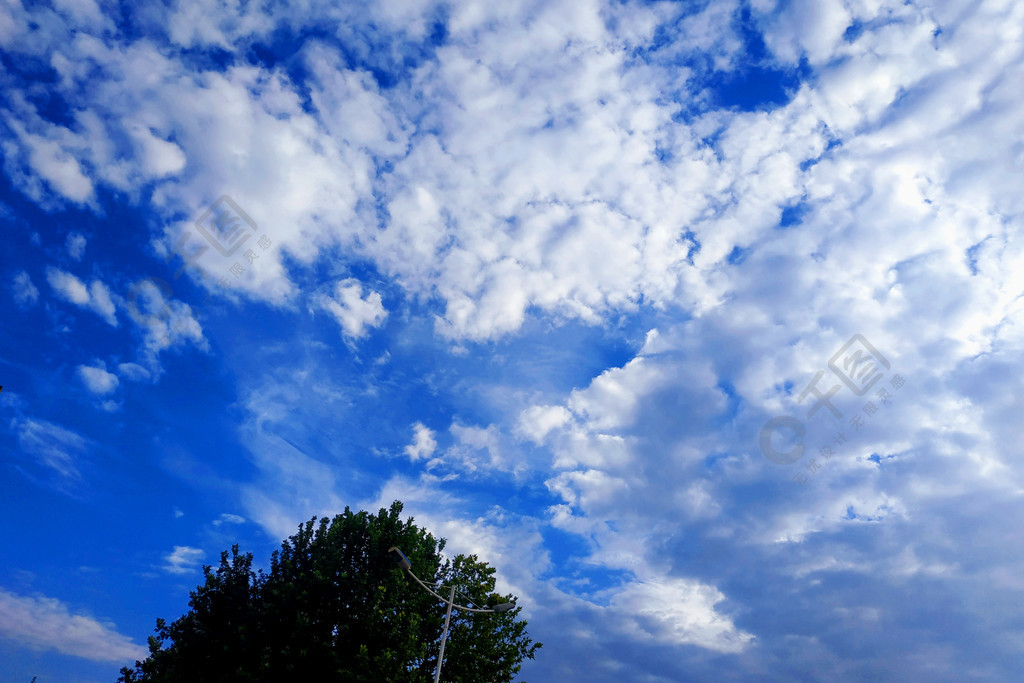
702 322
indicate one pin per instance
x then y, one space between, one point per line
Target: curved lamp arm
404 563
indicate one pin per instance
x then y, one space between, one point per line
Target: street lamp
399 557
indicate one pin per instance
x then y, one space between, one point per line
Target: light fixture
402 561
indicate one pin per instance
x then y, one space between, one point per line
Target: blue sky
544 272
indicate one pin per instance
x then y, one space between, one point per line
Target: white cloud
678 612
158 157
55 447
567 209
536 422
183 559
166 324
68 286
42 623
228 518
95 297
476 449
84 13
205 24
24 291
133 372
354 312
423 443
99 300
75 245
56 164
97 379
8 24
811 28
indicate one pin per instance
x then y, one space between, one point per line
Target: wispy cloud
53 446
43 623
166 324
24 291
133 372
228 518
183 559
75 245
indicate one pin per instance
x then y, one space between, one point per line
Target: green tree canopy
335 607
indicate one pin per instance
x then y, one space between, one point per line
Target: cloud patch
166 324
228 518
133 372
56 448
183 560
356 313
75 245
423 443
95 297
43 623
23 290
679 612
97 380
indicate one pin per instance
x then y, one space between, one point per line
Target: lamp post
399 557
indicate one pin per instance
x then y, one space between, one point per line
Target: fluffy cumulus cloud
97 380
68 287
47 159
43 623
513 196
423 442
733 198
95 297
355 312
676 612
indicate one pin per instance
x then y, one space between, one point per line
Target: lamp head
399 557
504 607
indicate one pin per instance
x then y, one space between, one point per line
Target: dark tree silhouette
335 607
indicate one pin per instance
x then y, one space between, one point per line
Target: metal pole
444 635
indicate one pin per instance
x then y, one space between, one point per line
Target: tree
334 607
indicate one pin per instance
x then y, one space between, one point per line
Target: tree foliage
334 607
